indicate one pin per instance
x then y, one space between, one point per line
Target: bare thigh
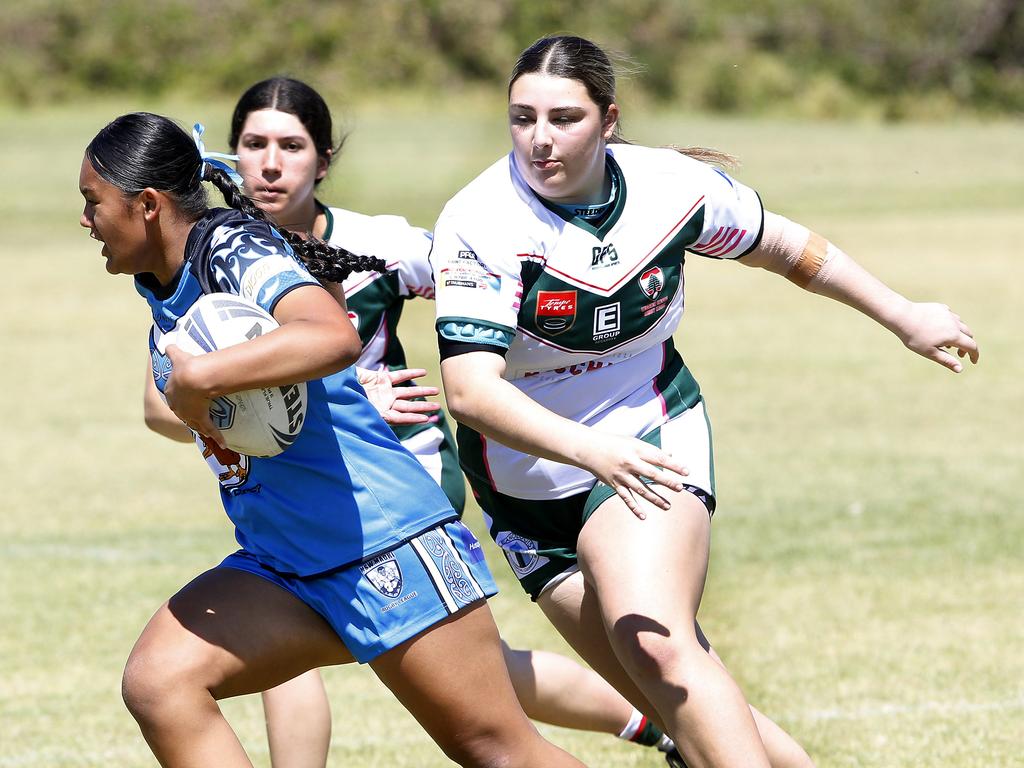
572 608
452 678
453 672
232 632
648 574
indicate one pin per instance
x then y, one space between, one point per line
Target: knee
659 657
483 750
152 681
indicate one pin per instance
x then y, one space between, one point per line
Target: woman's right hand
622 463
188 403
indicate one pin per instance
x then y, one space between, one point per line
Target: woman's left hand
933 330
396 404
188 404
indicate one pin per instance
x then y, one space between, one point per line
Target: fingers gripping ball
256 422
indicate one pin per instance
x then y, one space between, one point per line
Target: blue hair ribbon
215 159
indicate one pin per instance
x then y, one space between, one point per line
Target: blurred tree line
892 58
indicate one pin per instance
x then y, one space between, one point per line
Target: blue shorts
381 602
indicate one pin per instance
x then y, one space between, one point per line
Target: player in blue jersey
282 131
559 287
349 550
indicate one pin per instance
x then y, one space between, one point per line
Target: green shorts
538 536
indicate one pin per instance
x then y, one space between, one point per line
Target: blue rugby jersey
346 489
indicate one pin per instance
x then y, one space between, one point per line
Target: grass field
867 584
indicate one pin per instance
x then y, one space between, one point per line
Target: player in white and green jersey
559 274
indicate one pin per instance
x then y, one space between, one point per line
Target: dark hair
573 58
143 150
576 58
295 97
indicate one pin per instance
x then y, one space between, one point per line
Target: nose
272 159
541 136
85 220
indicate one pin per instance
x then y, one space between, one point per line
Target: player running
559 286
349 550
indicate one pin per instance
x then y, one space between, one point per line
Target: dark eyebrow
555 110
254 134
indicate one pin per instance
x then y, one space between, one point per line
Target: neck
169 243
310 220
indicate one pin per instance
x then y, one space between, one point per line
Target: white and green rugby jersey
590 309
375 300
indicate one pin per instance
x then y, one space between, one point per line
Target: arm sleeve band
455 348
793 251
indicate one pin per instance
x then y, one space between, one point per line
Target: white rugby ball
256 422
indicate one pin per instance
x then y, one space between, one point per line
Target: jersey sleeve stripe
719 246
735 235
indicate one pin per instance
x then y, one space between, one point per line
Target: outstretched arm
480 398
812 262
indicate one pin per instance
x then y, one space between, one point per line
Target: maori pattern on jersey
246 264
451 567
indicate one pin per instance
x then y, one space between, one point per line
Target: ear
611 120
151 202
323 162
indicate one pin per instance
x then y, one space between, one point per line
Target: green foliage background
887 58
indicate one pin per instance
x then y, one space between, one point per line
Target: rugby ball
256 422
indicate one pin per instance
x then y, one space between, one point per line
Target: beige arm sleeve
795 252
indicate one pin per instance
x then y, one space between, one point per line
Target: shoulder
495 186
386 236
657 161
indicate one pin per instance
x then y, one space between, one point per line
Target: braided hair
142 150
325 262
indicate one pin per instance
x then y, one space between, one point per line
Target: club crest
520 552
556 311
652 281
384 574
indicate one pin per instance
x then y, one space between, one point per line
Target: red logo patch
556 311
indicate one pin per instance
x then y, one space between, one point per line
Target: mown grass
866 587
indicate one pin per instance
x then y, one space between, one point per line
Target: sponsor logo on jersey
461 283
520 552
467 255
293 402
222 412
607 321
470 544
556 311
230 467
384 574
354 317
652 281
604 256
